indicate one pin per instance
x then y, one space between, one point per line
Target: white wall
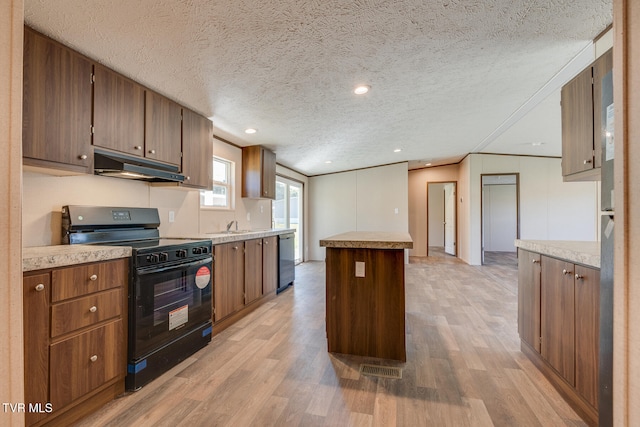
44 196
550 209
361 200
500 217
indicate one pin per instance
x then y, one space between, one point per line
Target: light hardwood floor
464 367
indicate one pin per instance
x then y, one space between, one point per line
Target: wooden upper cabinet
601 67
581 121
258 173
577 124
163 132
56 112
197 154
118 112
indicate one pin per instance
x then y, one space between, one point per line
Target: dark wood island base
365 294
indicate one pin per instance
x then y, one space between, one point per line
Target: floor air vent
381 371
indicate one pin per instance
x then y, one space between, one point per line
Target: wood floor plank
272 368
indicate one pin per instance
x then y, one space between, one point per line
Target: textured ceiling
447 77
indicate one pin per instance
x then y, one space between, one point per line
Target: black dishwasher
286 261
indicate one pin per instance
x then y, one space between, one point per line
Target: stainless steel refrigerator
605 393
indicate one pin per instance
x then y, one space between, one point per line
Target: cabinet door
577 124
36 291
86 361
163 129
197 150
118 112
56 108
269 265
229 279
587 291
601 67
268 174
252 270
557 316
529 298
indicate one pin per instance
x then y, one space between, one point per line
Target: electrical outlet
396 211
248 216
261 209
172 216
359 269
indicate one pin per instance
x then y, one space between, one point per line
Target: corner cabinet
197 150
74 339
258 173
558 323
581 101
56 108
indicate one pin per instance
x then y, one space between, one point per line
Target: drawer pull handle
83 157
235 248
93 309
586 162
565 271
39 287
93 277
536 261
93 358
138 147
152 151
579 277
266 242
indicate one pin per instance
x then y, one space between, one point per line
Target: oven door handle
152 270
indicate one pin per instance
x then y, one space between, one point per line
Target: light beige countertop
43 257
369 240
236 236
579 252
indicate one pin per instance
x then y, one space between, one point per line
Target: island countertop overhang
369 240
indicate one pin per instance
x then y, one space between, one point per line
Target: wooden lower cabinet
558 317
269 265
568 332
228 279
587 303
74 339
252 270
529 298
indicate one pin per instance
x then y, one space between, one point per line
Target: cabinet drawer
85 279
84 362
76 314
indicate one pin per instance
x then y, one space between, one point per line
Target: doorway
287 211
442 219
500 217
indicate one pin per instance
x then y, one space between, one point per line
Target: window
221 194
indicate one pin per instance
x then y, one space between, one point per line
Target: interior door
450 218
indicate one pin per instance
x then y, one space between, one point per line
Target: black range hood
120 165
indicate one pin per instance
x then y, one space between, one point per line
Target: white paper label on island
178 317
359 269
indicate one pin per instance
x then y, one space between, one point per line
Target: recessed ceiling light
397 150
361 90
427 164
537 144
328 161
250 130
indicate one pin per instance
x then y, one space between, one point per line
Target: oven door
167 302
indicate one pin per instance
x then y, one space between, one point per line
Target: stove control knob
197 250
181 253
205 250
153 258
164 256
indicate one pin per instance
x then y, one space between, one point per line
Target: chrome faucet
230 224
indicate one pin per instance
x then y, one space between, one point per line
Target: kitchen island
365 299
